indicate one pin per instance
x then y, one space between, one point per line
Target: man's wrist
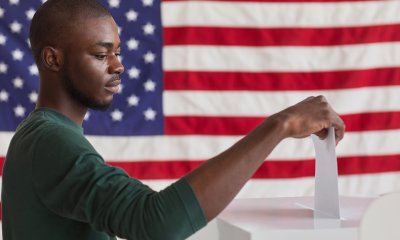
280 125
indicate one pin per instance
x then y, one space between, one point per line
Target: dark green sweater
56 186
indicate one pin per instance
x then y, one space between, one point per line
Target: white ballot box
290 218
325 216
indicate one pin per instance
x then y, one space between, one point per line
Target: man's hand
311 116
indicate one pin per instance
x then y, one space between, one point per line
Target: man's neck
73 111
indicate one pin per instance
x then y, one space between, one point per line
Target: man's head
75 44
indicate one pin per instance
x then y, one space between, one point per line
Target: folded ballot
326 201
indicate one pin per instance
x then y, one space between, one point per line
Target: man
55 184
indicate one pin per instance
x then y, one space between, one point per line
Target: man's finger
322 133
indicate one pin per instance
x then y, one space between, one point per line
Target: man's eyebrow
107 44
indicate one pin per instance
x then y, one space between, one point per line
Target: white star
19 111
28 42
147 3
149 29
33 70
86 117
150 114
131 15
3 39
15 27
4 96
133 100
133 72
1 12
14 2
132 44
43 1
18 82
3 67
113 3
119 30
29 14
33 96
149 85
117 115
17 54
149 57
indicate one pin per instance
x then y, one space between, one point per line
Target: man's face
91 70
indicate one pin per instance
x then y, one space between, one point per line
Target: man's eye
101 56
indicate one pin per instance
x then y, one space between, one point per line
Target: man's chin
100 107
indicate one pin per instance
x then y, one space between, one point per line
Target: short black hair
53 19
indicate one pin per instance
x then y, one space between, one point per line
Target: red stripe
280 81
280 36
188 125
346 166
2 159
157 169
268 170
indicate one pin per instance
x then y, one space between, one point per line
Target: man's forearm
218 180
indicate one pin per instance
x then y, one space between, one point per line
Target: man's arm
218 180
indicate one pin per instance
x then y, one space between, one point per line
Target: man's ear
51 58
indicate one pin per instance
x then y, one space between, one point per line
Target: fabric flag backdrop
201 74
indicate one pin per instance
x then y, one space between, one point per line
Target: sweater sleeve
73 181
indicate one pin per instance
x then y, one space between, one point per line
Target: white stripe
204 147
252 14
350 185
287 59
262 103
5 138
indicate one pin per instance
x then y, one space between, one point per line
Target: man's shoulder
49 123
46 128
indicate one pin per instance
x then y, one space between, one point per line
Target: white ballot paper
326 202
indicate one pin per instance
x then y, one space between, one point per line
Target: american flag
201 74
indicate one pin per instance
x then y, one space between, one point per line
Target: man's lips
113 86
